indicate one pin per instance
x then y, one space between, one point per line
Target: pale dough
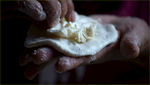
105 34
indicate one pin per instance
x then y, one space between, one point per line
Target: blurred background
119 8
14 29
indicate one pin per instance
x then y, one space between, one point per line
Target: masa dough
80 31
83 37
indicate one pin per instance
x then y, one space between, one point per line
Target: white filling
83 37
79 31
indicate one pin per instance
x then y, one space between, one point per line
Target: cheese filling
80 30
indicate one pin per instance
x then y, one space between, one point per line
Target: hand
133 39
49 11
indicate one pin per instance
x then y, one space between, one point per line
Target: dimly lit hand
51 11
133 39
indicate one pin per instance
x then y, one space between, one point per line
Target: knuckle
31 8
38 12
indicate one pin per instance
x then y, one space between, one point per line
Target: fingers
33 69
23 60
67 10
25 57
70 16
67 63
64 8
133 32
53 12
38 56
32 8
37 60
56 10
42 55
63 64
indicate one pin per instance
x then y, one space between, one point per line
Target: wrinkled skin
133 39
50 12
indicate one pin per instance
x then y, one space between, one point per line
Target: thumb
130 45
135 39
133 42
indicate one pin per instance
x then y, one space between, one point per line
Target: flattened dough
105 34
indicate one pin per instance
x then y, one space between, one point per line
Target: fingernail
73 17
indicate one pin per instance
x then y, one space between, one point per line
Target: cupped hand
51 11
133 39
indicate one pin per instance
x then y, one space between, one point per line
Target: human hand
133 39
50 12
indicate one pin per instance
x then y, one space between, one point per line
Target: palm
132 40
